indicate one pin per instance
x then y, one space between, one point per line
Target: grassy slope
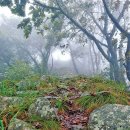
100 92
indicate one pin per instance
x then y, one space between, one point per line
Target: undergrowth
51 124
100 92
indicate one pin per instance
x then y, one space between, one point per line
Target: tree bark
116 70
127 56
114 66
45 58
121 62
92 60
111 74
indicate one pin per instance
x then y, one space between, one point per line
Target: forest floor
74 99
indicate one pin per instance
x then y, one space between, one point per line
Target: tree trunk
52 64
122 69
127 56
38 68
92 60
114 66
73 61
116 69
111 74
44 65
123 31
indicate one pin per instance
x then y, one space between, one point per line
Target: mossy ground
100 92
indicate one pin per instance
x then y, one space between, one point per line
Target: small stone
85 94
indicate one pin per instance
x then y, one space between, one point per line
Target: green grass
51 125
101 92
46 124
1 125
115 93
7 88
17 109
87 102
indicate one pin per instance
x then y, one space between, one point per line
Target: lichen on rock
17 124
9 101
110 117
42 108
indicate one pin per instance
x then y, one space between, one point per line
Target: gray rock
110 117
85 94
42 108
17 124
43 77
77 127
28 92
9 101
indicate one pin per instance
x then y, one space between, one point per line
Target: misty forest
64 64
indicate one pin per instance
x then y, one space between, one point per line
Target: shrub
18 71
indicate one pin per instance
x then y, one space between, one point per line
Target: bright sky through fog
5 11
57 55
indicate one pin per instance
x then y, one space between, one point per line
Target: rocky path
71 115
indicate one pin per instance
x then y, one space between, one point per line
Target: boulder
110 117
42 108
17 124
9 101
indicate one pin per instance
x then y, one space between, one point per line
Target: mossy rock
17 124
9 101
110 117
42 108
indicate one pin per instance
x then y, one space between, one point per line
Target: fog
54 44
61 57
64 64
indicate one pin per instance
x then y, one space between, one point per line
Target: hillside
53 103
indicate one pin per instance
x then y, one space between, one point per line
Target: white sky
57 55
5 11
